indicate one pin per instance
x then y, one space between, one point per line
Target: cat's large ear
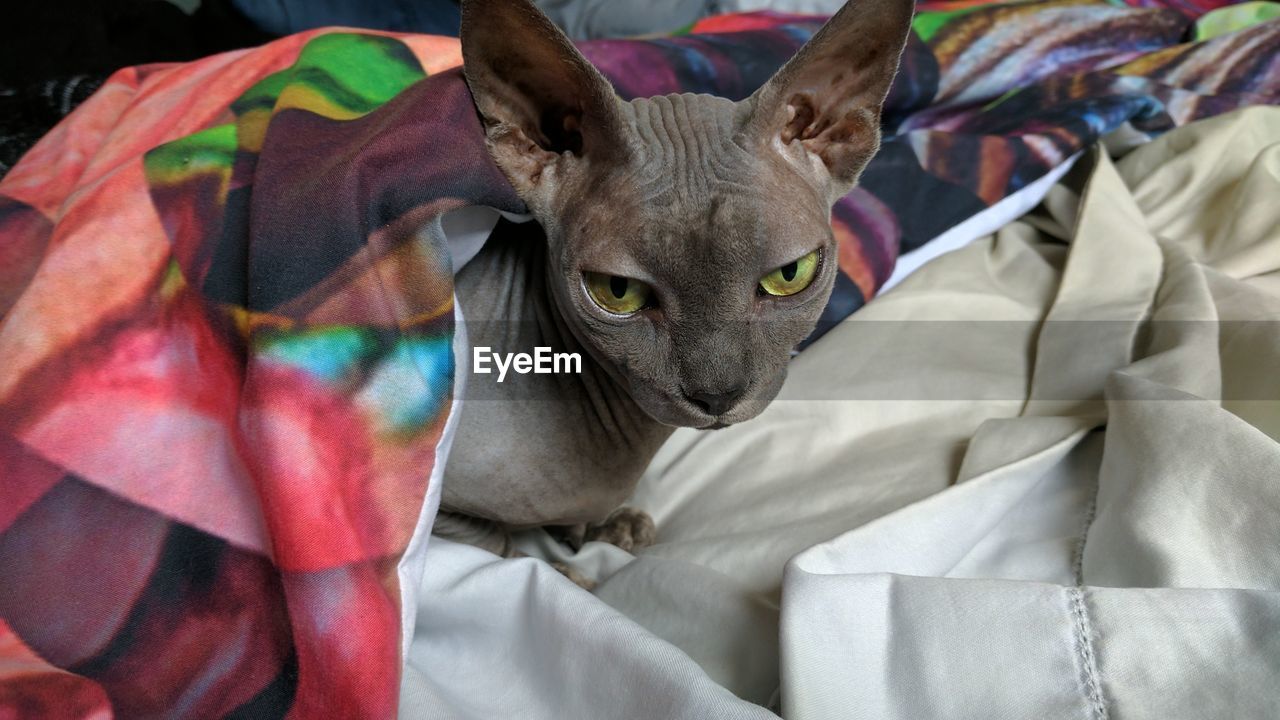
538 97
827 99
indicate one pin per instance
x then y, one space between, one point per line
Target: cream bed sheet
1039 478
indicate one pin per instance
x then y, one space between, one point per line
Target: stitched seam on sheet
1077 555
1080 617
1088 661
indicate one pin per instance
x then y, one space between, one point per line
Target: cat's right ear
823 107
544 107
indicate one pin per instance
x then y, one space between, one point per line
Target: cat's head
689 238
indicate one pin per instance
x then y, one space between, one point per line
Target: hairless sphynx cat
683 248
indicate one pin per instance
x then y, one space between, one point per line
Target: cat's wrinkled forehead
687 146
694 179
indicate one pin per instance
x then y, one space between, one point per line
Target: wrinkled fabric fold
1105 553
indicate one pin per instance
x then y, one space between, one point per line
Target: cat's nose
715 403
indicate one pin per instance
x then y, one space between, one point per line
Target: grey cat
683 248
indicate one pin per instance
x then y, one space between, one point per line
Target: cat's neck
600 438
507 307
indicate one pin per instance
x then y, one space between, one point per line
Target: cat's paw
574 576
629 528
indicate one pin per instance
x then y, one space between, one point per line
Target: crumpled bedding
1038 479
226 321
1106 550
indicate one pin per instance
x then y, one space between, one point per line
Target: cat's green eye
792 277
617 294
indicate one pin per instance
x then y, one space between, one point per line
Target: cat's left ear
827 99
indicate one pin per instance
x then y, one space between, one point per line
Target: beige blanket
1047 485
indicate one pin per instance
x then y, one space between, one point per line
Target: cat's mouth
696 417
677 414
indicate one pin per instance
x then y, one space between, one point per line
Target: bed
1062 516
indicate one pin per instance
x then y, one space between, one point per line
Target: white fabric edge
984 223
413 563
465 231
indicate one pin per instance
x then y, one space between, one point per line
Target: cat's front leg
470 530
496 538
